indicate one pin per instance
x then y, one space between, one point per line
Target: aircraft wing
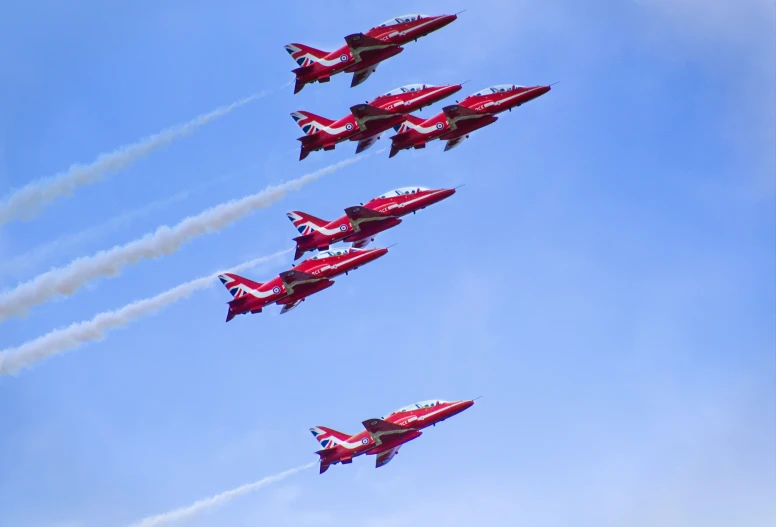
364 48
289 307
452 143
362 75
377 426
384 457
366 143
455 114
358 215
365 113
360 244
294 280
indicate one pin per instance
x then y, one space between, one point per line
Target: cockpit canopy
402 192
498 89
406 89
402 20
334 252
420 405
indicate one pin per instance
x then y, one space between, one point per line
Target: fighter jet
367 121
360 224
384 436
292 287
362 52
455 122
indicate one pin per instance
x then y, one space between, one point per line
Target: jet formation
360 224
394 109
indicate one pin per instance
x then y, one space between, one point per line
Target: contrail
164 241
198 507
14 359
28 201
34 258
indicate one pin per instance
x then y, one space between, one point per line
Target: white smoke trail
28 201
198 507
27 262
164 241
13 360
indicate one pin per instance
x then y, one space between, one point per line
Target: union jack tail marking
237 285
304 55
305 223
327 437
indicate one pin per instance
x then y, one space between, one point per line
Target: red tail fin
304 55
236 284
309 122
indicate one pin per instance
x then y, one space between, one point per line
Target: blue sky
605 278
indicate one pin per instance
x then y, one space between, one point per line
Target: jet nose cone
378 253
445 193
465 405
443 20
542 90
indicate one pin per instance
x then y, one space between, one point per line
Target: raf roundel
365 441
348 126
343 58
276 290
343 227
373 423
439 126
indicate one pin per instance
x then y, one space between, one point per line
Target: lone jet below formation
367 121
292 287
454 123
383 437
362 52
360 224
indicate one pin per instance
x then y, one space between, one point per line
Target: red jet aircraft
292 287
454 123
367 121
362 52
383 437
360 224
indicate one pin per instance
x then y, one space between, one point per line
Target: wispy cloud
164 241
55 342
28 201
186 513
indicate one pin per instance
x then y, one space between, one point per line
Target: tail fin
309 122
327 437
237 285
305 223
411 122
305 55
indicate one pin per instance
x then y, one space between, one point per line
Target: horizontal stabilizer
301 72
302 241
240 302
